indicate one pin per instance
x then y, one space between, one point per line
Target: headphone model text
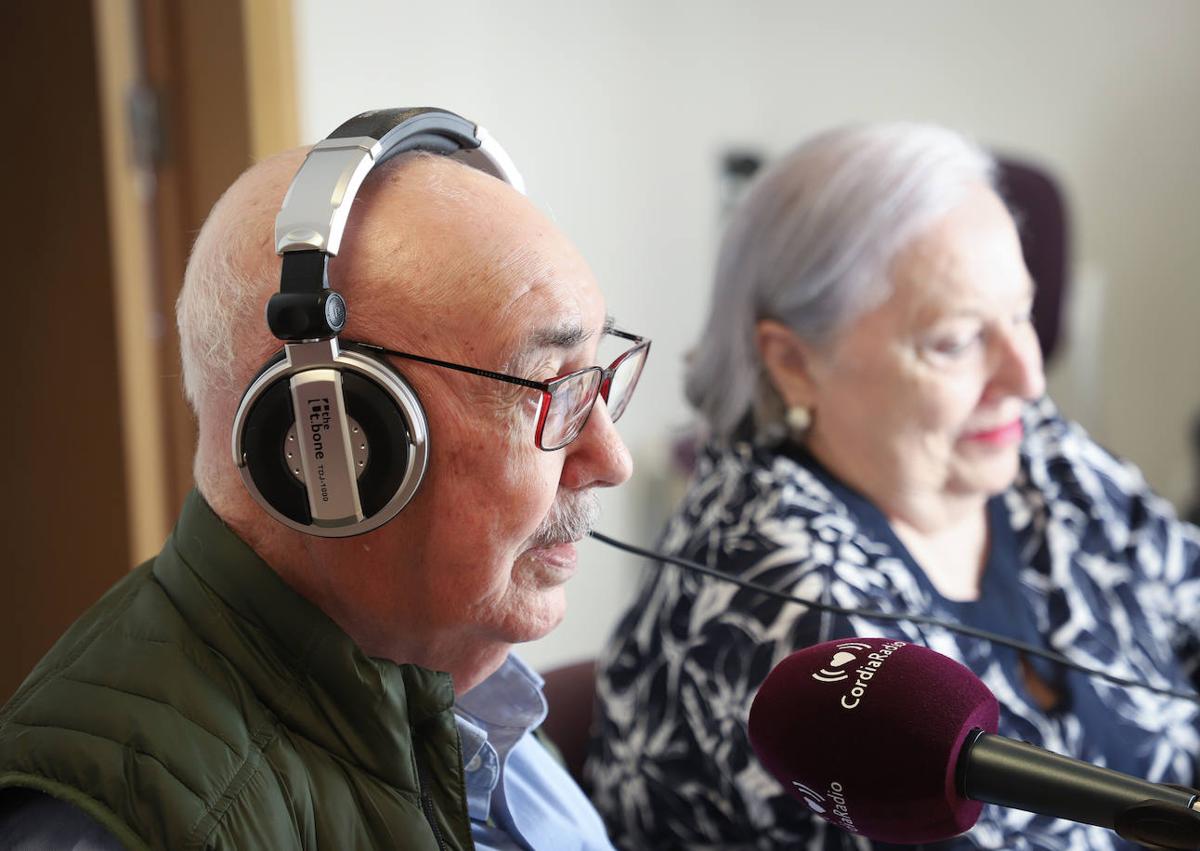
330 439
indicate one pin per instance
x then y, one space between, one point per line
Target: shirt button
474 764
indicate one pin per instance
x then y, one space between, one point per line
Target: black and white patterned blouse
1084 559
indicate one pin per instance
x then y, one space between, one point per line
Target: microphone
897 743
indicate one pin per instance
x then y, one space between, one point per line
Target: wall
618 112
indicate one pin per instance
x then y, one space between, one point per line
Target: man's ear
788 361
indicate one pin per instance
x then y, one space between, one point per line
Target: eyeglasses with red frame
567 400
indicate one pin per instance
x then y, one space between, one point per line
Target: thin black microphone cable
927 620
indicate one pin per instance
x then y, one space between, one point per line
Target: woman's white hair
811 245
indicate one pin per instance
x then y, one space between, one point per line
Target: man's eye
544 371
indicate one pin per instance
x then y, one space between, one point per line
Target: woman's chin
990 471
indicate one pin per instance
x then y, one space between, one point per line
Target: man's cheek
535 488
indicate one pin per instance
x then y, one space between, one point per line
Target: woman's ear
788 362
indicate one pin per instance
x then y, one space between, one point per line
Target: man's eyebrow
565 336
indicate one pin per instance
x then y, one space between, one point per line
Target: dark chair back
571 693
1040 210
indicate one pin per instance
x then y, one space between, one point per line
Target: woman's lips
999 436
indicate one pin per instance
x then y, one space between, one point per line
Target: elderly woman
878 438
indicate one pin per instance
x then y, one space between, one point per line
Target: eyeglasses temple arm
486 373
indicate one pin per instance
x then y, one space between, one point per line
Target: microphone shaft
997 770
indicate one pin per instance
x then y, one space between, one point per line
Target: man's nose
598 457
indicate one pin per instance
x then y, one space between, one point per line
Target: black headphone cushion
268 422
388 440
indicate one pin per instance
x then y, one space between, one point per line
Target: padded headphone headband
329 441
315 208
309 226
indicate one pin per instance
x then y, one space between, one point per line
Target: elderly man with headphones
319 656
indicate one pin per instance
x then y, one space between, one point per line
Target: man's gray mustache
570 519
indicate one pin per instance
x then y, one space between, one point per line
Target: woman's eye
953 345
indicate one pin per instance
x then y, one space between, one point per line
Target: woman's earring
799 418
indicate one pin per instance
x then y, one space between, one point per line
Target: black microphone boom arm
910 617
1016 774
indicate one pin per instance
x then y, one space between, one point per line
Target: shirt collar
492 718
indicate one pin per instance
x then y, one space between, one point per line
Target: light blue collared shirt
518 795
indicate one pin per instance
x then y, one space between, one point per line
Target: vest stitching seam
123 745
347 764
83 643
252 763
156 700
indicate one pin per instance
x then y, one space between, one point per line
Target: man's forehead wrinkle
469 277
549 317
521 270
405 276
532 308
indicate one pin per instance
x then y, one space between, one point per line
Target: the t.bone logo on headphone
836 671
318 423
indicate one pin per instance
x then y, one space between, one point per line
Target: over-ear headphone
333 441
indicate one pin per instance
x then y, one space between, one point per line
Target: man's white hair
231 272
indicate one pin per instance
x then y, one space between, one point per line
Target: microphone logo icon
815 800
834 672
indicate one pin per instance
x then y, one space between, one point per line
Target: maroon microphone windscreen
867 733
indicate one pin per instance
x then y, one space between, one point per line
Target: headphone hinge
305 308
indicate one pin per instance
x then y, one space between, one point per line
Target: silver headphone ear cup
385 420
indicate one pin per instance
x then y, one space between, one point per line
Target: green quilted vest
203 704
